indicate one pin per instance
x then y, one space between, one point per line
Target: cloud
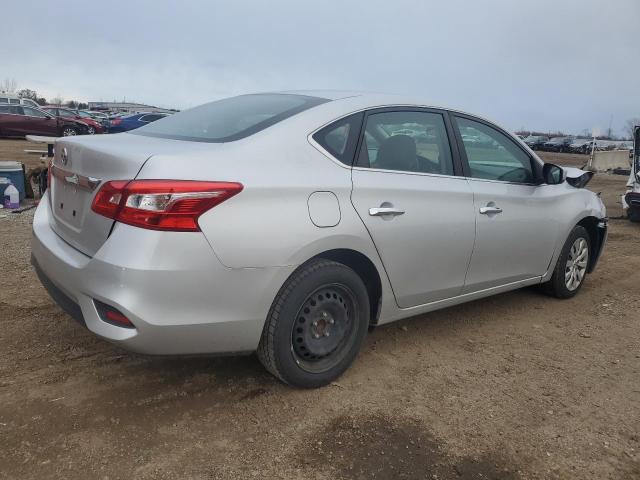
545 65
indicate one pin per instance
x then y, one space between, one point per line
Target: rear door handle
380 211
488 210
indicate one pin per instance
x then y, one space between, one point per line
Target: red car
93 126
21 120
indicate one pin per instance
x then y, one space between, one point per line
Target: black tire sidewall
558 284
286 364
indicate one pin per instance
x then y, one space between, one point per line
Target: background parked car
10 99
535 142
19 120
101 118
133 121
558 144
581 145
92 125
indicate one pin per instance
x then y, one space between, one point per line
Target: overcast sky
544 64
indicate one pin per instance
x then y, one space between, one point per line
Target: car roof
343 102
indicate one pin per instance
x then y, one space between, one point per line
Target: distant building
126 107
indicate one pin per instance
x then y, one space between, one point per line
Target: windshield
229 119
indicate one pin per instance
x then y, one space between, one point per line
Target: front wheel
91 130
571 267
316 324
69 132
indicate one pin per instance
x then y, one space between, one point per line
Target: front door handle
487 210
380 211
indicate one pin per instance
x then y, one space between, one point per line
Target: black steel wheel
324 328
316 324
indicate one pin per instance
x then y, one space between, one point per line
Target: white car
291 223
12 99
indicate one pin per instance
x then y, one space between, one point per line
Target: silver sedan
292 223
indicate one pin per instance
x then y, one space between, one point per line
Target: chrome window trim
407 172
327 154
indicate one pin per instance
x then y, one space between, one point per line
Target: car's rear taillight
173 205
116 121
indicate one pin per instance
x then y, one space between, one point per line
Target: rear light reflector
113 316
173 205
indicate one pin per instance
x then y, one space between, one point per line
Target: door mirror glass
552 174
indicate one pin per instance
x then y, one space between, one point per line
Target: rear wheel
316 324
69 131
571 268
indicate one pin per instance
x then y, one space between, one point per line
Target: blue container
13 171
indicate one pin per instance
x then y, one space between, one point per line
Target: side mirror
553 174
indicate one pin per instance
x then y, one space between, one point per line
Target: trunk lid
80 166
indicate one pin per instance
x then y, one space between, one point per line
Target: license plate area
71 196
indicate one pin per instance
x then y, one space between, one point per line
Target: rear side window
408 141
229 119
341 137
14 101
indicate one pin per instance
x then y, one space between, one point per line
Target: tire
320 298
633 213
571 267
69 131
91 130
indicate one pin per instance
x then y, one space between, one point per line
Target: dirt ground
517 386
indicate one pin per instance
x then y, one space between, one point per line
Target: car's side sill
467 297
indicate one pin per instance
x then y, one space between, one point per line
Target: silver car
291 223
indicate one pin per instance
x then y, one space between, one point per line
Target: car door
417 208
6 120
38 122
515 229
16 122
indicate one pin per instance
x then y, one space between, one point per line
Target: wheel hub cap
322 324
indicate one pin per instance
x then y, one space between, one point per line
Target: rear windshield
229 119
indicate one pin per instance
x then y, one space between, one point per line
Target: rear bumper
171 286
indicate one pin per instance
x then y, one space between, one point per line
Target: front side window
32 112
341 137
492 155
409 141
229 119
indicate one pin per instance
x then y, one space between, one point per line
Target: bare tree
9 85
57 100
